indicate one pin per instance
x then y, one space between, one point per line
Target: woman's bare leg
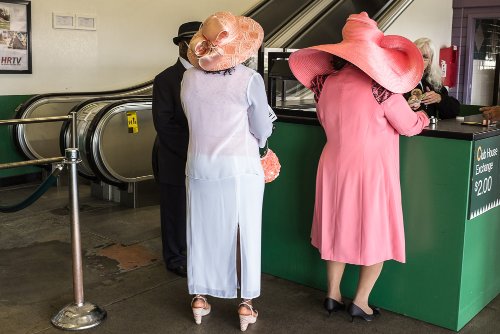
334 272
368 275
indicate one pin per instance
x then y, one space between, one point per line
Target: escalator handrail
390 14
257 7
289 19
307 25
23 106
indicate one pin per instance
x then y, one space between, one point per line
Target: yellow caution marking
133 126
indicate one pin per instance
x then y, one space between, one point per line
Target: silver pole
31 162
73 130
72 155
33 120
80 314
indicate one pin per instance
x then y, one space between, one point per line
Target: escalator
321 21
111 150
38 141
327 27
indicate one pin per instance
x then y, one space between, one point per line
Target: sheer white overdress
228 120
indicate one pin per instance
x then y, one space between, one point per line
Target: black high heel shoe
331 305
356 312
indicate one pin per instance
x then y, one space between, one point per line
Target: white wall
425 18
132 43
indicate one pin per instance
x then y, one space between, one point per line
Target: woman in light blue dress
228 116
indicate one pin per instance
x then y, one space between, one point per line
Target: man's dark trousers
173 224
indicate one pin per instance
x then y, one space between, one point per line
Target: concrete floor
124 274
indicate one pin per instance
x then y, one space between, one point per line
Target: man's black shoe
179 271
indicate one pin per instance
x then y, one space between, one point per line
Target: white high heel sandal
245 320
199 312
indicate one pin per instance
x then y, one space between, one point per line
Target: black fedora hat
186 31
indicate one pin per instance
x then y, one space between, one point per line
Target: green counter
453 264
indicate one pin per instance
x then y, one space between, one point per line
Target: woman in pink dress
358 85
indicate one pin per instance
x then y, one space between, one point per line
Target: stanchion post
74 135
80 314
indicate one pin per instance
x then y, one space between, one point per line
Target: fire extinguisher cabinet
448 60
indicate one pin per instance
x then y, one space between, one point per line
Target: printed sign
133 126
15 50
485 178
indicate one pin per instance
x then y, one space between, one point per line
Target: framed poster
15 37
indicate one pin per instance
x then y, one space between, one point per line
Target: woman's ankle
243 309
335 296
199 301
363 304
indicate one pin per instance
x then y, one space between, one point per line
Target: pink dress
358 217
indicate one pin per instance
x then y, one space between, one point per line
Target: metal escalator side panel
85 115
33 138
120 156
37 141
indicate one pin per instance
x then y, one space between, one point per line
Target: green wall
8 151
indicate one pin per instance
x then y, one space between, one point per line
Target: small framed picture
15 37
86 21
63 20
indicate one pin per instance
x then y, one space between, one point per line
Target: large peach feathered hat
394 62
224 41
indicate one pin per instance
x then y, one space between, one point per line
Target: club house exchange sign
485 180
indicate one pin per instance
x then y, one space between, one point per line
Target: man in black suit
170 151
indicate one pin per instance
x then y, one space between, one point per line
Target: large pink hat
224 41
394 62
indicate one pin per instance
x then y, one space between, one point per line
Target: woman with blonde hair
430 94
226 107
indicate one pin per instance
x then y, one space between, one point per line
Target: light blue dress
228 119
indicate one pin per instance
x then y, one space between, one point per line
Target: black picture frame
15 37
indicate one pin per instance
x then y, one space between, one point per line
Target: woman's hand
415 106
431 97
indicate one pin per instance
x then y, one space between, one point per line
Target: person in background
430 95
169 153
491 113
226 107
358 85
